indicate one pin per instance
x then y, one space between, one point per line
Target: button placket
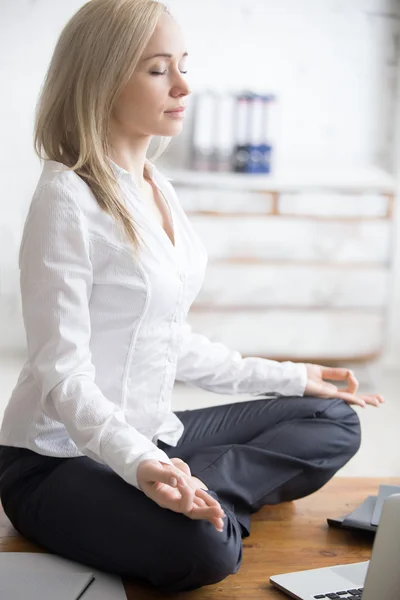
172 350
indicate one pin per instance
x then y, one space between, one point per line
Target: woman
94 465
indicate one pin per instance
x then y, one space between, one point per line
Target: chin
171 131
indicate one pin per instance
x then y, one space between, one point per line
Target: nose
181 87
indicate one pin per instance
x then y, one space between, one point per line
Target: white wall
331 62
393 348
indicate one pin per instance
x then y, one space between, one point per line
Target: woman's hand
316 386
173 487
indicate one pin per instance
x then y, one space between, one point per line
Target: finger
373 400
164 473
216 521
199 502
181 465
198 514
337 373
329 389
186 502
351 398
209 513
353 384
322 390
380 398
218 524
209 500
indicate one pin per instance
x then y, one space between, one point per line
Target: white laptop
377 579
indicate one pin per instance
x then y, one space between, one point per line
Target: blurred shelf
352 180
266 292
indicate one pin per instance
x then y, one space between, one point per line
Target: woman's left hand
316 386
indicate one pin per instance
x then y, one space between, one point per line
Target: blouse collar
122 173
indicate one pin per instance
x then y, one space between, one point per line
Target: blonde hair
95 55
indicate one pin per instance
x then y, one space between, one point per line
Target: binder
203 131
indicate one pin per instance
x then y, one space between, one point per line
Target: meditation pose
94 464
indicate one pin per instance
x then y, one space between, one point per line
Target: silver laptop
377 579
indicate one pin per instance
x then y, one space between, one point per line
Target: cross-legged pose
94 464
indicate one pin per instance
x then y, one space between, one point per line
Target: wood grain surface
284 538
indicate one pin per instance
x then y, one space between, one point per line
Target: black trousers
249 454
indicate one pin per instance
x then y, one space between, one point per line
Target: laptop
377 579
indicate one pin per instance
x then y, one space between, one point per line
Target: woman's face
157 87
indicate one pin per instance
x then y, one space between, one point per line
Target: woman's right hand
170 487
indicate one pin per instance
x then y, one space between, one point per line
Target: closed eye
164 72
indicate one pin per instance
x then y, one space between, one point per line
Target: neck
131 155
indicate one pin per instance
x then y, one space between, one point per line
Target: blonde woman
94 465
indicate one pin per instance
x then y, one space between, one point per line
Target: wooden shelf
344 217
356 181
250 260
304 216
203 307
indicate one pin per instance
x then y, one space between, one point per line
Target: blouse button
183 277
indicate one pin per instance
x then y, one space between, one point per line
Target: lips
180 109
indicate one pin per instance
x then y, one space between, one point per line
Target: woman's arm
212 366
56 282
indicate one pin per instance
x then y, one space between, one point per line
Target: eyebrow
164 54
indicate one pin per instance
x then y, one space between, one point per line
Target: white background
332 63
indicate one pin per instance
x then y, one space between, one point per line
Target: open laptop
377 579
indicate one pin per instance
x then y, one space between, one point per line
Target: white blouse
107 335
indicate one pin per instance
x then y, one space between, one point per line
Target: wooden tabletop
289 537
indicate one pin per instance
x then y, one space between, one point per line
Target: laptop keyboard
354 594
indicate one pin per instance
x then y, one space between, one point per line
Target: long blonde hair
95 55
